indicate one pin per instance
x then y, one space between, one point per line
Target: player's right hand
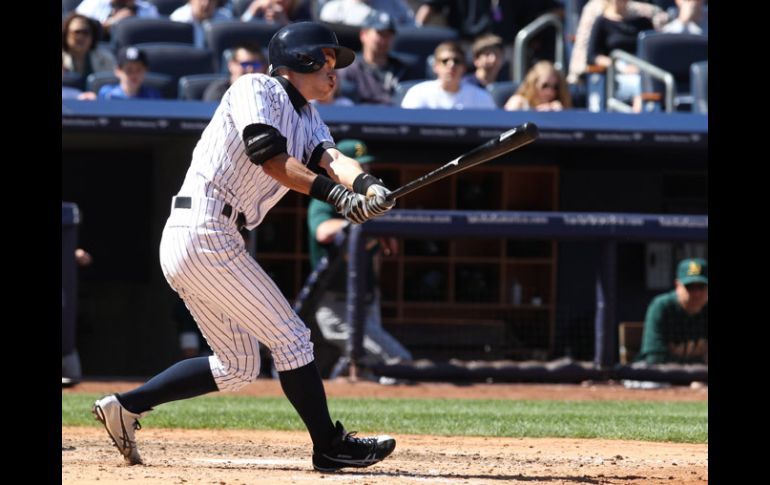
377 197
354 207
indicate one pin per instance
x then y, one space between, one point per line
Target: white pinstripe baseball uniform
202 253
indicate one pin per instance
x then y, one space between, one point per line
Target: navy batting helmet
297 47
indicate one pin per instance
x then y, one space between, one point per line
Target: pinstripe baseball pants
233 300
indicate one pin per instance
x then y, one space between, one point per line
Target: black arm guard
263 142
363 181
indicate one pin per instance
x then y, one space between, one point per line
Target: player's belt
227 210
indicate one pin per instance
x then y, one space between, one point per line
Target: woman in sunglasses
80 51
543 89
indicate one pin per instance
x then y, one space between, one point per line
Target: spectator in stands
617 28
324 225
131 71
280 12
689 17
376 73
80 50
543 89
593 10
676 325
448 91
107 12
197 13
354 12
487 58
247 59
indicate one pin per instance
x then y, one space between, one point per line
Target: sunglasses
454 60
254 65
696 286
81 32
551 86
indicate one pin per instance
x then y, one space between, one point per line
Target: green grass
685 422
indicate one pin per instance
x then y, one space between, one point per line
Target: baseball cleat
349 451
120 424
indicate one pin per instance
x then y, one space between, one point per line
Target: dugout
122 162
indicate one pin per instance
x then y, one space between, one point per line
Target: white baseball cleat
120 424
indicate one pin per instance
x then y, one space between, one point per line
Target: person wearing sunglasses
247 59
676 325
80 51
543 89
448 91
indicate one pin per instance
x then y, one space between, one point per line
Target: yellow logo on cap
693 269
360 150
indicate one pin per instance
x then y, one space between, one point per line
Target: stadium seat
192 87
73 80
401 90
422 41
501 91
167 7
136 30
674 53
226 34
414 70
240 6
161 82
177 60
348 35
68 6
699 86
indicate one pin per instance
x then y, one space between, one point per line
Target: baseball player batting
263 140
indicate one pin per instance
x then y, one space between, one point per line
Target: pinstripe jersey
220 167
202 255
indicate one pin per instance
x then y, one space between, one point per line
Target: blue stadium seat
422 41
674 53
193 86
227 33
348 35
401 90
167 7
177 60
73 80
240 6
699 86
68 6
502 90
135 30
161 82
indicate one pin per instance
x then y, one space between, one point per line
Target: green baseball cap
355 149
693 270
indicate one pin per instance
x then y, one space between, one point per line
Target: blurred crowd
442 54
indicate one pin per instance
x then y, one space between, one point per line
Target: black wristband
321 188
362 183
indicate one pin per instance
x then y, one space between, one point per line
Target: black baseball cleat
348 451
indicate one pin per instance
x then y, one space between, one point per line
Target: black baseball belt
227 210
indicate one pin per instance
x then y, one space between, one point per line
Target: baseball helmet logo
298 47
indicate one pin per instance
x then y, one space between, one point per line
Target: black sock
183 380
305 391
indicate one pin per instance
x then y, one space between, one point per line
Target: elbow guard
263 142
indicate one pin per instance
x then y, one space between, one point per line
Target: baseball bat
506 142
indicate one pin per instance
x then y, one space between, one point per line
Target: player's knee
295 354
